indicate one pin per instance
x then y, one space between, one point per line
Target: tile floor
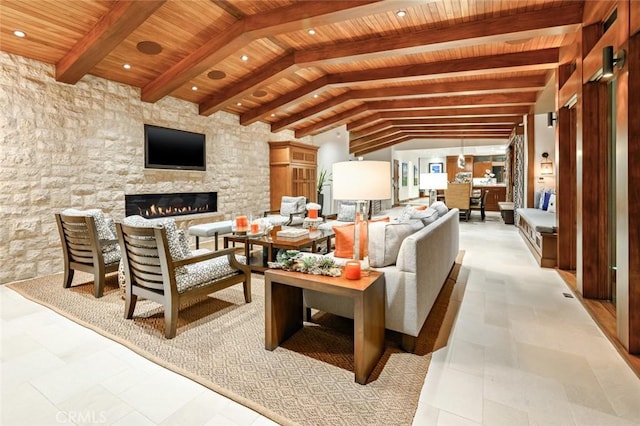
520 353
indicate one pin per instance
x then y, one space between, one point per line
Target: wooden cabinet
452 166
497 194
481 167
293 171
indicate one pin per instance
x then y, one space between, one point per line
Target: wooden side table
284 311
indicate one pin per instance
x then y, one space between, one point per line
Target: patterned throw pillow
552 203
102 226
347 211
173 240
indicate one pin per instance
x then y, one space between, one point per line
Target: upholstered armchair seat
292 212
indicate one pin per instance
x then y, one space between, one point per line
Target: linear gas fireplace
170 204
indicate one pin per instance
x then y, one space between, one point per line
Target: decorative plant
293 260
324 178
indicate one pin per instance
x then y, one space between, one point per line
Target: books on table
293 234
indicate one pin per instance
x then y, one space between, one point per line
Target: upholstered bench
538 229
210 230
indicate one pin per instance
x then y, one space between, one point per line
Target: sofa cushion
202 273
540 220
385 240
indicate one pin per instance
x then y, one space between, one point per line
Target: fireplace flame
157 211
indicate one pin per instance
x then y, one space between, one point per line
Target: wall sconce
546 166
551 119
609 61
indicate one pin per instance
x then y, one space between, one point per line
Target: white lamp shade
433 181
361 180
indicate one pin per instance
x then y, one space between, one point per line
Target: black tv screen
174 149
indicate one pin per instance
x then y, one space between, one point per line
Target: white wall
411 159
544 142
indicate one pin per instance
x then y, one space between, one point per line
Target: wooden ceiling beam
565 19
111 30
540 23
531 60
267 74
419 113
331 121
440 129
518 84
242 32
432 123
399 138
506 130
523 61
286 100
494 99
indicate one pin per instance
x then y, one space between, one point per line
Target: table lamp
361 181
432 182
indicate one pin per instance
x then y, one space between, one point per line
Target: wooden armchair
84 251
292 211
458 195
151 272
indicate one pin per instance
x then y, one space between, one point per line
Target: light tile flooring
520 353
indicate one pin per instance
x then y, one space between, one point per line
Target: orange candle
313 214
352 270
242 222
254 228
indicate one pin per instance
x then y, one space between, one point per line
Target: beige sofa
423 262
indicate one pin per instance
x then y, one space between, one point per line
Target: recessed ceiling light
315 96
194 88
244 58
239 104
126 66
401 14
312 31
273 115
19 33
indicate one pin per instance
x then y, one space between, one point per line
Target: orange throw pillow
344 239
420 207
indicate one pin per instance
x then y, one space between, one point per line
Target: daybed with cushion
157 266
416 260
538 229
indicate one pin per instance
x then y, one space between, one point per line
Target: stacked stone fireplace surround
82 146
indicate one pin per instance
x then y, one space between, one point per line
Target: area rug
220 344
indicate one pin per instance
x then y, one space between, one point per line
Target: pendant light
461 156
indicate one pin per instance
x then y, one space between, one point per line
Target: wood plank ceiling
459 69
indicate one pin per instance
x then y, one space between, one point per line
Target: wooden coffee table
284 311
270 243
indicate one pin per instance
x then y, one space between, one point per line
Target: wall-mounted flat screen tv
174 149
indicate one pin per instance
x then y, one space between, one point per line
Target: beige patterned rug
220 344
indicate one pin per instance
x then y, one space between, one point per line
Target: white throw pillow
440 207
385 239
552 203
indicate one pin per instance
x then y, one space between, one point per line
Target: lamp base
361 237
433 196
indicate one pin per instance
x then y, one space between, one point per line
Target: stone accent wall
82 146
